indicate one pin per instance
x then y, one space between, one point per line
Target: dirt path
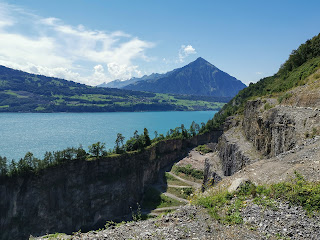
194 184
197 161
170 195
178 186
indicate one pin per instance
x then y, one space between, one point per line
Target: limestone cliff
265 130
84 194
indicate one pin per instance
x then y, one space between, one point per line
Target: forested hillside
24 92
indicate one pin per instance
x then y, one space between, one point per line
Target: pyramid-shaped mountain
197 78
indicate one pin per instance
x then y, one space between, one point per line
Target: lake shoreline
41 132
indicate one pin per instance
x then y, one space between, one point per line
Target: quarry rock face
271 132
85 194
266 130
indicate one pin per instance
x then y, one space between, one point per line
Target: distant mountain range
121 84
197 78
25 92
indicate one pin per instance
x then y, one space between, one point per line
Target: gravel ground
192 222
286 221
188 222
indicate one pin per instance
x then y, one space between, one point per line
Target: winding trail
178 186
170 195
162 186
194 184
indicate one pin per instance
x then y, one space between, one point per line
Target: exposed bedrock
264 131
84 194
271 132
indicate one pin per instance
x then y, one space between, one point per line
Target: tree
97 149
81 153
119 143
136 142
184 131
147 140
13 168
48 158
194 128
30 160
3 166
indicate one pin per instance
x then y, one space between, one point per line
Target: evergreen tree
147 140
13 168
3 166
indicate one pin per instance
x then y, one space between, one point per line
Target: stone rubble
287 221
188 222
192 222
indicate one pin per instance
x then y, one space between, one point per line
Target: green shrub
203 149
298 192
268 106
188 170
284 97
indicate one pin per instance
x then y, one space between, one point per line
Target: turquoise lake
41 132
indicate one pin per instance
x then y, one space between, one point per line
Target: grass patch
181 192
226 207
284 97
268 106
171 180
298 192
154 199
203 149
316 75
61 236
188 170
39 108
313 133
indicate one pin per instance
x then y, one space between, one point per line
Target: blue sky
97 41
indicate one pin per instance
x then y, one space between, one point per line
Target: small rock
237 183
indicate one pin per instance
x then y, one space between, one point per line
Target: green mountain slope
197 78
24 92
295 72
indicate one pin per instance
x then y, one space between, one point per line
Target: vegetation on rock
188 170
226 207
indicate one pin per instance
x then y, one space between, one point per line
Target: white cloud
53 48
185 51
259 73
123 71
189 50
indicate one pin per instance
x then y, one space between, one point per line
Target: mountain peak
197 78
200 60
